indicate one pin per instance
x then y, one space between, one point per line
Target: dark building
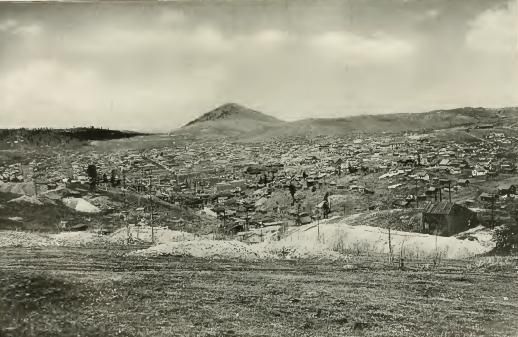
505 189
447 217
487 197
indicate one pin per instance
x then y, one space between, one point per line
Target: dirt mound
480 234
205 249
103 202
342 237
144 234
24 239
27 199
66 239
407 220
221 249
57 193
75 238
80 205
18 188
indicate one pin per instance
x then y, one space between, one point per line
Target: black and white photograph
259 168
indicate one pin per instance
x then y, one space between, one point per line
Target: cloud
432 13
495 30
145 66
356 49
8 25
174 72
44 89
15 27
117 40
270 37
172 17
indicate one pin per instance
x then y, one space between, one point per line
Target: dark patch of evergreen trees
55 137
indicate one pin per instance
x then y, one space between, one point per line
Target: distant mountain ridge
237 121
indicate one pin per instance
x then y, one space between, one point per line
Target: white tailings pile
80 205
24 239
81 238
365 239
229 249
205 249
28 240
334 240
480 234
75 238
144 234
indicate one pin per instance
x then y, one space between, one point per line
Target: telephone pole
493 212
416 195
151 221
33 181
151 211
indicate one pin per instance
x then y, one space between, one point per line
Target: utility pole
416 195
33 181
318 227
390 245
492 212
449 190
151 220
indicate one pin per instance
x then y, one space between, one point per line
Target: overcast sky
152 66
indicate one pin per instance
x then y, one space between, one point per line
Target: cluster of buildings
235 182
12 173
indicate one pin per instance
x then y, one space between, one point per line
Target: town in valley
259 168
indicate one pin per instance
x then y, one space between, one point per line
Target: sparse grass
496 263
64 292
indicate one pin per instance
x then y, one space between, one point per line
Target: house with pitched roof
447 218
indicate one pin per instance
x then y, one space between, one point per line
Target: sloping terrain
233 120
230 120
427 121
232 111
93 293
27 138
347 238
36 214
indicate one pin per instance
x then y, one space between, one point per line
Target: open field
99 292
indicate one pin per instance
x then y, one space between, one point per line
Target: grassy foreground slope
101 293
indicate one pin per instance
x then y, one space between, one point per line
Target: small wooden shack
447 218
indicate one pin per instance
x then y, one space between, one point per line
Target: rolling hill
233 120
23 137
231 111
230 120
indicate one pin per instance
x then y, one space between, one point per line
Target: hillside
23 137
230 120
427 121
233 120
232 111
